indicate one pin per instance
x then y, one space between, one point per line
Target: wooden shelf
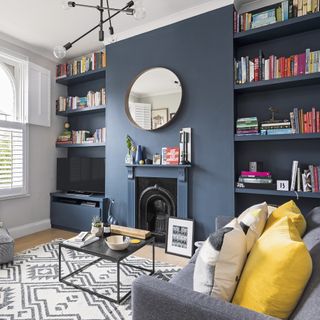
290 82
279 29
305 136
83 111
314 195
83 77
80 145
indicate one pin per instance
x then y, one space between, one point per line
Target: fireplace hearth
156 202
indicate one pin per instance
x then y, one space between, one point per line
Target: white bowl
118 242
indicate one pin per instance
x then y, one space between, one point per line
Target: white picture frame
180 236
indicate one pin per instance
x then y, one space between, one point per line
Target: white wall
32 213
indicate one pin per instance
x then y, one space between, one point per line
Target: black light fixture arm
74 4
70 44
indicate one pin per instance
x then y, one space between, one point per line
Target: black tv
84 175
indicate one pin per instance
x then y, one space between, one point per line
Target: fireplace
156 200
156 192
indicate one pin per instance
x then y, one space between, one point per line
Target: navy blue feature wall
200 51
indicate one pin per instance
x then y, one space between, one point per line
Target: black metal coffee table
101 250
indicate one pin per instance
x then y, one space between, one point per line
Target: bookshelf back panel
277 156
81 89
89 122
93 152
258 103
243 201
285 46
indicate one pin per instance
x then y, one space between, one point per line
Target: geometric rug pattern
30 287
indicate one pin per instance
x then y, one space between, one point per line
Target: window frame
20 78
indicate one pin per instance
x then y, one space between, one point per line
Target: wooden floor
35 239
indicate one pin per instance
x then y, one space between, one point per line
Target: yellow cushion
276 272
289 209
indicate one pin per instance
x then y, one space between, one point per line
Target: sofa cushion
276 273
291 210
184 278
220 262
309 306
255 216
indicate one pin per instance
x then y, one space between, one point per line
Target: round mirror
154 98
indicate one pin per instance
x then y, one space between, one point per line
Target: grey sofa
6 246
153 299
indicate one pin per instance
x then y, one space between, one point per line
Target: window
13 130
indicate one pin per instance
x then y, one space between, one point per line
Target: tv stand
80 193
74 211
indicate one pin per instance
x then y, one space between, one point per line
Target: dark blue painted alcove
200 51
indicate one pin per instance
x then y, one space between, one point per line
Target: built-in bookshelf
253 99
85 104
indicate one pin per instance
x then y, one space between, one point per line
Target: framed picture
159 117
180 237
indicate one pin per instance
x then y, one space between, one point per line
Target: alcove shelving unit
254 99
89 118
68 211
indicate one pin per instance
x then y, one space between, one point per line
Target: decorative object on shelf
97 226
147 161
141 162
180 237
283 185
130 156
172 155
255 179
139 154
156 159
185 146
255 166
153 94
66 135
133 8
164 156
159 118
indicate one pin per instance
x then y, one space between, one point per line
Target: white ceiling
43 24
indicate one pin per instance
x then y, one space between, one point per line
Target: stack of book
255 180
308 122
307 179
100 135
275 127
81 240
75 103
247 126
94 61
281 11
260 68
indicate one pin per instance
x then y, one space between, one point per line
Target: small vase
97 231
129 158
139 155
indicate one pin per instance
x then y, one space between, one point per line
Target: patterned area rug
30 289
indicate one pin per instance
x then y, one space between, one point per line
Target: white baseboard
21 231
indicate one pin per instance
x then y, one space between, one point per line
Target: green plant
96 222
129 143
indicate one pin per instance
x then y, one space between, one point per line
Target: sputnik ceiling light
132 8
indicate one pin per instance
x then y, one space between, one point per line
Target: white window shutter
39 104
141 114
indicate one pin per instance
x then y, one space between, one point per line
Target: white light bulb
59 52
65 5
139 10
